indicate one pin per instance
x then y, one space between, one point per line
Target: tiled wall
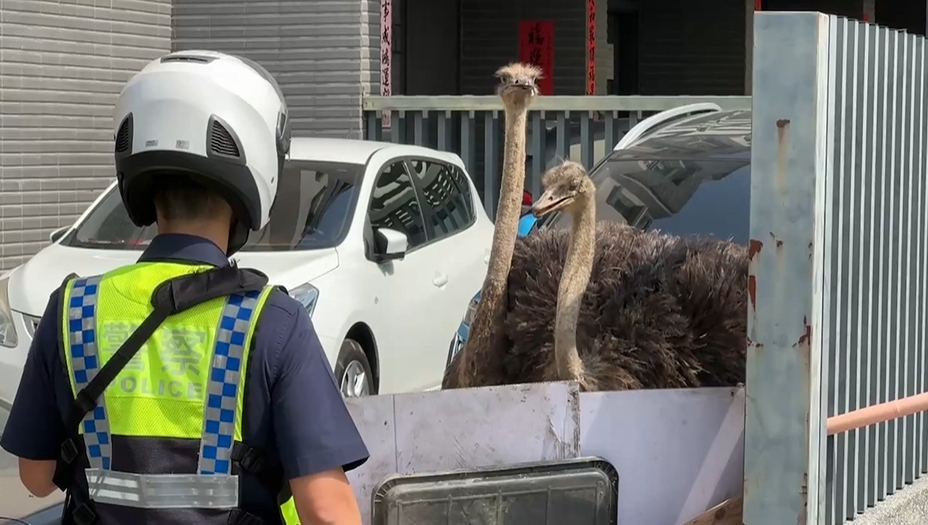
62 64
323 53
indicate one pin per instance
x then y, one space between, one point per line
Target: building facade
63 62
62 65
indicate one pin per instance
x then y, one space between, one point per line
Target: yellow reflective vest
162 435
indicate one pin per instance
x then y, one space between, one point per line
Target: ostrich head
567 187
518 84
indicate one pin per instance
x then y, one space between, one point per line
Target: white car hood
32 283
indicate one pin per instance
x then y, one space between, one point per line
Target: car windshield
314 205
681 197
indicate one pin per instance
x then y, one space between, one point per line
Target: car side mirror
57 234
389 245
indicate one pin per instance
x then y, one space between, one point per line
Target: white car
383 244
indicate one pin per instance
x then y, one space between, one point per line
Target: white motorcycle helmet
219 119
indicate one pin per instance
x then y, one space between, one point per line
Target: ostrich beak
550 201
519 84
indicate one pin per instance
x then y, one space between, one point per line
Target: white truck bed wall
678 452
463 429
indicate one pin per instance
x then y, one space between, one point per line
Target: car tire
353 371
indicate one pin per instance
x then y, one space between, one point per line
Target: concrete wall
62 64
324 55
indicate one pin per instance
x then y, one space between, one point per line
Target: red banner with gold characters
536 47
590 47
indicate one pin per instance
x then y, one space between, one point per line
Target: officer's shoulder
280 306
281 318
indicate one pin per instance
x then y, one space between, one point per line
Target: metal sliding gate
838 283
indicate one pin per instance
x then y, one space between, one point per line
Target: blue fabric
292 405
526 223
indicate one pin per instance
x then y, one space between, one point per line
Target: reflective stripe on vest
82 334
163 491
213 486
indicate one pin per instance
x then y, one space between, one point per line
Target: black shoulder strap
170 297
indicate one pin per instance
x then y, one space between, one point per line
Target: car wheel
353 371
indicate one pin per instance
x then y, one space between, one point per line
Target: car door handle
440 280
486 257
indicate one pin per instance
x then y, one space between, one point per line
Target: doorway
622 33
427 47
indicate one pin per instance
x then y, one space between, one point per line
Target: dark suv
683 171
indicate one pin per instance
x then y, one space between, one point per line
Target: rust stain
804 494
777 241
779 249
807 333
782 152
754 247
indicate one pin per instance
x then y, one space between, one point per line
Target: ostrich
632 309
479 362
567 187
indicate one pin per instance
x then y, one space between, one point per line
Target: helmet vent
124 135
197 59
221 141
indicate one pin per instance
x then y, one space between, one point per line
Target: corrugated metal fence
839 231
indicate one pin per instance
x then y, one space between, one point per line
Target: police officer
231 406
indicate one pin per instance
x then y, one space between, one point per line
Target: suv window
681 197
718 204
448 210
394 204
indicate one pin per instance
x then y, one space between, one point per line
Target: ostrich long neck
481 358
576 275
510 196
